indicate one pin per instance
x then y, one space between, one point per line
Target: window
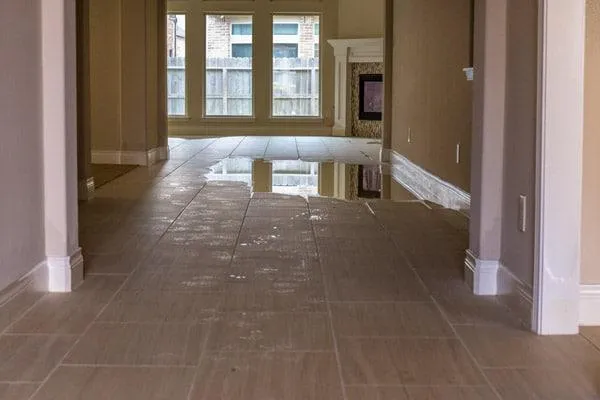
241 50
296 67
228 84
285 50
285 29
176 79
317 30
241 29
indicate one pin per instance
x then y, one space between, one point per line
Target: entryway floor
202 290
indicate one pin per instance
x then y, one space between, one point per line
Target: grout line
444 315
22 315
105 306
329 311
203 351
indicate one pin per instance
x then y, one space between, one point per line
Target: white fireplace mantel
349 51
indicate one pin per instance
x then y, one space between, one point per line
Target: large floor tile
261 376
139 344
407 362
17 391
270 332
545 384
277 297
114 383
380 286
161 306
16 306
198 280
30 358
69 313
376 393
592 333
389 319
500 347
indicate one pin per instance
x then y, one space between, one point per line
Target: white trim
426 186
65 273
36 279
158 154
385 155
559 166
359 50
118 157
87 188
589 305
481 275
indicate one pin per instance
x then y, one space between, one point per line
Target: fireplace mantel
349 51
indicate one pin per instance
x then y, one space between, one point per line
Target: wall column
388 77
489 95
84 129
59 103
559 167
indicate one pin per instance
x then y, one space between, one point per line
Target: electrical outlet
523 213
458 153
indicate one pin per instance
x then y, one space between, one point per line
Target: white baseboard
35 280
86 189
65 273
158 154
426 186
118 157
385 155
481 275
589 305
491 278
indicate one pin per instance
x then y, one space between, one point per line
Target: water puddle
305 178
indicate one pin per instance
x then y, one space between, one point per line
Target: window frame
299 118
186 115
241 40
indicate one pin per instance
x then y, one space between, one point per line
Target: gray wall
520 136
21 173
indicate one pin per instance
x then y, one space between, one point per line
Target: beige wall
431 96
21 171
127 85
105 70
360 19
520 137
591 150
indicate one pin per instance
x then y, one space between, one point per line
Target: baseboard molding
118 157
281 129
65 273
385 155
157 155
481 275
35 280
86 189
426 186
589 305
491 278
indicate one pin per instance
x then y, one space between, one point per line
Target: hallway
201 290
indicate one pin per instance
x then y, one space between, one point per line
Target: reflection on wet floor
305 178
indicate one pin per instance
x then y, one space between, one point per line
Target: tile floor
199 290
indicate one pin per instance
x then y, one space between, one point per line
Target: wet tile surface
202 290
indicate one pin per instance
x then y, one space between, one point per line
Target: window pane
228 65
176 85
285 29
241 29
285 50
296 89
241 50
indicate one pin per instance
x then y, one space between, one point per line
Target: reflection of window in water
369 185
232 169
296 177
